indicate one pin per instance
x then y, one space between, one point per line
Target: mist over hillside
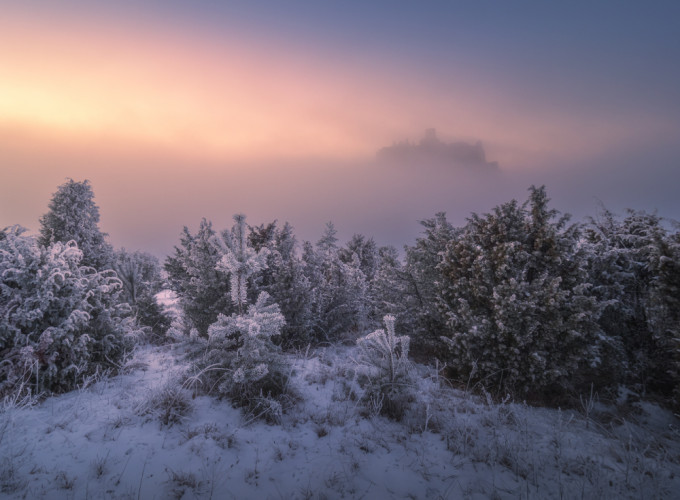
431 151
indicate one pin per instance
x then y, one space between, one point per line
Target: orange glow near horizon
181 110
240 100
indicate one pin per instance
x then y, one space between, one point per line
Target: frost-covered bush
416 307
59 321
339 290
284 281
386 352
140 276
519 308
634 265
241 361
192 273
386 356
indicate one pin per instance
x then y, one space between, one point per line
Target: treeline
515 301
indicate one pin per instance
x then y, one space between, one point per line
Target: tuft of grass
181 483
64 481
10 479
99 466
211 431
170 404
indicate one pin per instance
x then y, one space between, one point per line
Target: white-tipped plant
241 361
240 260
389 387
387 351
245 340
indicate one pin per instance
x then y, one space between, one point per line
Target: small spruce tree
386 356
240 261
240 360
73 215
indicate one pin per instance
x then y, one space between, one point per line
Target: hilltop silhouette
432 150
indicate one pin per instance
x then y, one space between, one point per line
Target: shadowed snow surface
108 440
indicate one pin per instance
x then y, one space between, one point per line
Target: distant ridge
431 150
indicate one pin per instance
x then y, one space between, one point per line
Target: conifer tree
367 252
387 351
192 273
284 281
73 215
339 290
140 276
240 350
417 311
387 288
240 261
385 354
635 268
328 243
520 312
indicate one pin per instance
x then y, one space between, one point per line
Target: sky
179 110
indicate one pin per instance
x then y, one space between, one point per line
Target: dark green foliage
386 289
415 306
151 317
339 292
635 265
140 275
366 251
520 313
202 289
284 281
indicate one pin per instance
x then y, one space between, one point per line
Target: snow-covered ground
109 440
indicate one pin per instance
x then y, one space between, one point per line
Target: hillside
141 435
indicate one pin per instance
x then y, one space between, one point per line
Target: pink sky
162 113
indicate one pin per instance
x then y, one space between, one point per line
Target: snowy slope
108 440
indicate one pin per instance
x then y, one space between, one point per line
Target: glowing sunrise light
233 98
291 103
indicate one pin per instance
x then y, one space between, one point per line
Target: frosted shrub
203 290
386 356
416 283
60 321
284 280
386 351
239 260
634 264
242 362
520 312
140 276
339 290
